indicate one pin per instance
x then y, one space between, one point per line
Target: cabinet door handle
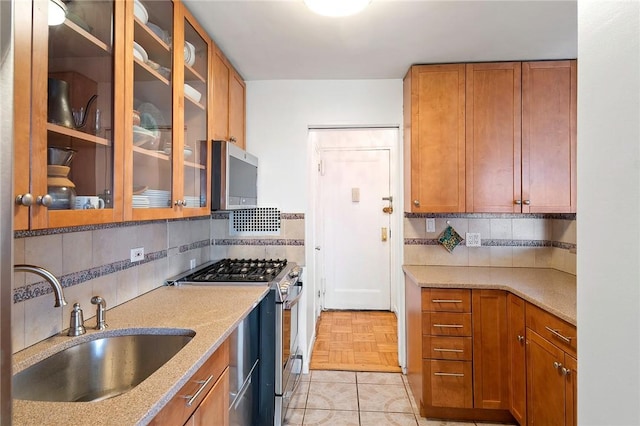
520 338
558 335
449 374
517 202
527 202
416 203
557 365
203 385
565 371
24 199
233 139
448 325
445 301
45 200
459 351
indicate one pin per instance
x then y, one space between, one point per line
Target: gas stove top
239 270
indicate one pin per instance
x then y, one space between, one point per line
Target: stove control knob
295 272
284 287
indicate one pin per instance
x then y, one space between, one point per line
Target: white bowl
189 53
192 93
140 11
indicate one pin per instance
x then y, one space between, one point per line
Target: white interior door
356 232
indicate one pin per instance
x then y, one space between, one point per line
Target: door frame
396 223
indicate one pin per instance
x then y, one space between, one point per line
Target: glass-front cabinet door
151 110
169 103
196 127
74 175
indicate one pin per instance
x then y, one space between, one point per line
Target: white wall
279 113
609 212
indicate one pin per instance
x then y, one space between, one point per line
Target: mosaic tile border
257 242
292 216
496 243
564 216
40 288
196 245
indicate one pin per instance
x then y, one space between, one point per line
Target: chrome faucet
49 277
101 309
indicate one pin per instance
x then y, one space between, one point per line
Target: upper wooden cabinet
167 120
491 137
125 87
228 101
549 96
67 99
434 140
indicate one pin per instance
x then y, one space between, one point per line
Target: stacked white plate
140 202
139 52
158 197
192 93
140 11
189 53
192 202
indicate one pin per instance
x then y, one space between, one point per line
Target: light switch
355 195
431 225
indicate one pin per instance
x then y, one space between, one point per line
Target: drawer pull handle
449 374
445 301
448 325
459 351
203 384
558 335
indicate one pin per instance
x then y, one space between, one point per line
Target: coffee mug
84 202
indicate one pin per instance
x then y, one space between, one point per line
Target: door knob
24 199
45 200
416 203
517 202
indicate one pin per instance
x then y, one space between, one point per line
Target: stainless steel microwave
234 179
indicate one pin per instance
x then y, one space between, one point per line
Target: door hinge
321 168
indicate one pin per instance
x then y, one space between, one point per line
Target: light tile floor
349 398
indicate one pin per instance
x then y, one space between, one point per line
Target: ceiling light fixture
57 12
336 7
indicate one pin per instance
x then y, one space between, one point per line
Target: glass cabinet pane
196 60
152 104
80 107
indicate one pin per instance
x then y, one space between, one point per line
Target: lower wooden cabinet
552 370
490 351
488 355
208 389
448 383
214 408
517 358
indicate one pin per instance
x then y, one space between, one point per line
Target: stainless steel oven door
292 355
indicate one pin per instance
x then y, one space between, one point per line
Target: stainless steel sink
97 369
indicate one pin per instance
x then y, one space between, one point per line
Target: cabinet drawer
559 332
446 324
448 384
454 348
176 411
446 300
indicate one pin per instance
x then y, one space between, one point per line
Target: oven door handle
288 303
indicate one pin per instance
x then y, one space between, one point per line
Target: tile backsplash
94 260
541 241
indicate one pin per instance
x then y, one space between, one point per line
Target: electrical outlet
137 254
192 263
473 239
431 225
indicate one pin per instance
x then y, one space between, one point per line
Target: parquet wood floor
356 341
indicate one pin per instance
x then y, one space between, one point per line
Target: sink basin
98 369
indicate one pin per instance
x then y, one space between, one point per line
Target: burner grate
240 270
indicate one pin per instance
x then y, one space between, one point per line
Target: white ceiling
269 40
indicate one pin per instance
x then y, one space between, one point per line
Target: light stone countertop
212 312
552 290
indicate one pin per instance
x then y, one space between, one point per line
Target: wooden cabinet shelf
190 74
157 50
73 41
194 103
147 73
77 135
